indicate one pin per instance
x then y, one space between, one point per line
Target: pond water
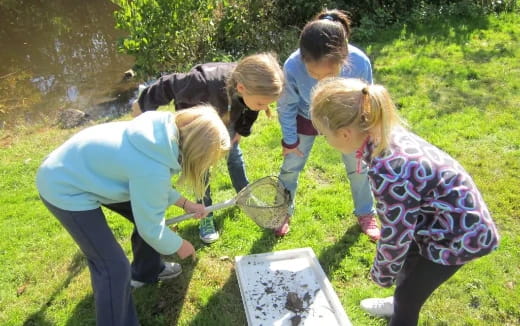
60 54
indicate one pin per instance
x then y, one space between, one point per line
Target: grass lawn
458 85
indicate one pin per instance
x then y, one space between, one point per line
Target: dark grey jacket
204 83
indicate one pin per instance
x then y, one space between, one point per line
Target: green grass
456 82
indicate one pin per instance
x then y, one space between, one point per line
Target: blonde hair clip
365 104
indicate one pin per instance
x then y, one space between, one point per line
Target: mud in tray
287 288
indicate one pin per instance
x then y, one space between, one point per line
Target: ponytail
378 115
342 102
336 15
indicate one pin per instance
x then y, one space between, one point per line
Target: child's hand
198 209
186 250
295 151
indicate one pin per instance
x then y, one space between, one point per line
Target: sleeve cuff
176 245
291 146
173 196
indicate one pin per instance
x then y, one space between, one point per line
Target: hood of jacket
155 134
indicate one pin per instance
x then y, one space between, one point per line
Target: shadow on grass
77 264
84 313
330 258
224 307
153 302
162 303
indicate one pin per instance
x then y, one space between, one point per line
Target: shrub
166 35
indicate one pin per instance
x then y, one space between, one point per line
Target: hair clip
328 17
326 122
365 108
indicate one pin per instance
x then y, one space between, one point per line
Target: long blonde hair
203 140
260 74
348 102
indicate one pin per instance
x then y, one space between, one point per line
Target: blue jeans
236 168
110 271
359 185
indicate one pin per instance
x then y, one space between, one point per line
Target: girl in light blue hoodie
127 167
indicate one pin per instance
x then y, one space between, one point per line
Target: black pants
147 262
416 281
110 271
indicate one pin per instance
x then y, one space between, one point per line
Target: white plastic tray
265 281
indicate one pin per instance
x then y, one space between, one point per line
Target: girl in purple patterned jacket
433 217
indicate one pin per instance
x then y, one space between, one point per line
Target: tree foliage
166 34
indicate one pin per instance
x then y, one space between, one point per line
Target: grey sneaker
170 270
379 307
207 231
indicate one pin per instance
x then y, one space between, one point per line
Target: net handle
227 203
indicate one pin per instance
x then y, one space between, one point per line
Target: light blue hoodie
295 99
119 162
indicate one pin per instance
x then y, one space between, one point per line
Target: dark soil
269 290
294 303
295 320
279 293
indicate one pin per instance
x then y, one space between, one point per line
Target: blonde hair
203 140
260 74
347 102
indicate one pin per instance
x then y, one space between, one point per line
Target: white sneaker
170 270
378 307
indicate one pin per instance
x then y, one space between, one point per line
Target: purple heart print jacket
426 196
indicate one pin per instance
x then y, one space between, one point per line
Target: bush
248 26
166 35
297 12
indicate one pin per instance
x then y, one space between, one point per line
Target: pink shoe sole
368 224
284 229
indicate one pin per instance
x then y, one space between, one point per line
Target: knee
292 163
234 160
109 271
120 268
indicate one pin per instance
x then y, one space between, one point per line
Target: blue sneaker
207 232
